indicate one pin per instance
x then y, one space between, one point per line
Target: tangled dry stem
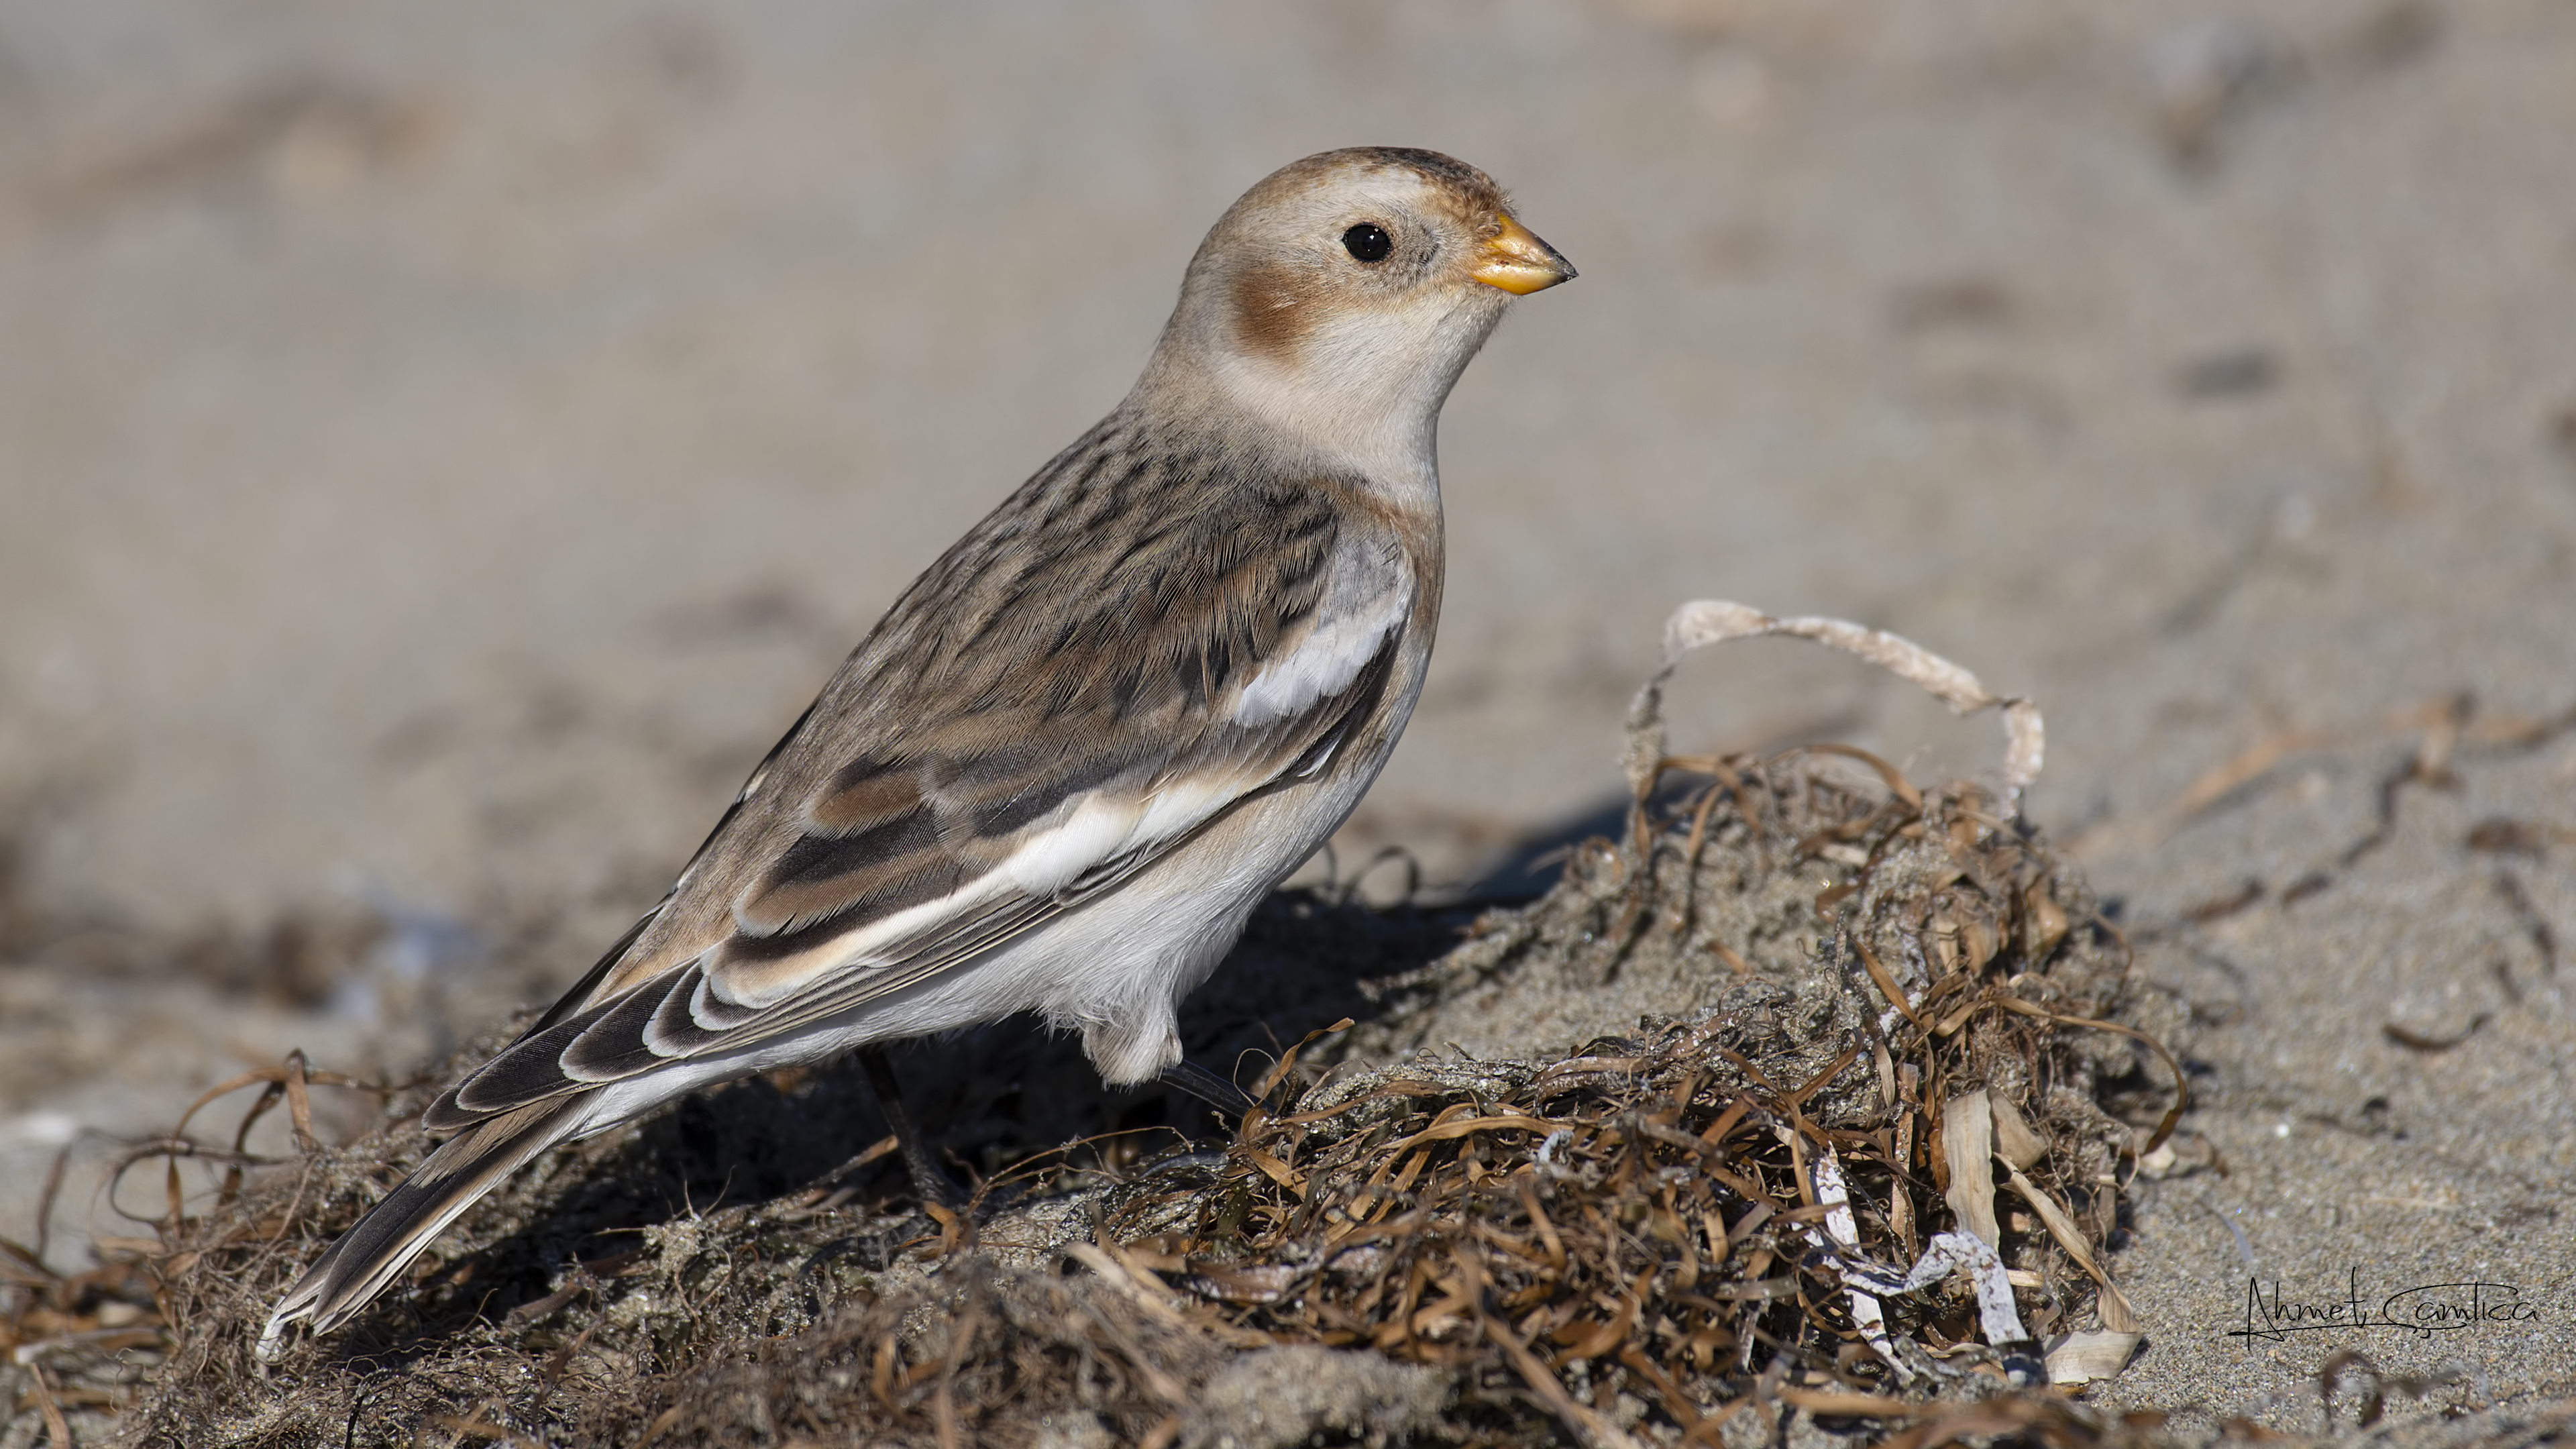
1792 960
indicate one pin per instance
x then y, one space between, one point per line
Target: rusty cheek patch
1274 309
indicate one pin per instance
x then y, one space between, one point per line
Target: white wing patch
1370 596
763 984
1100 829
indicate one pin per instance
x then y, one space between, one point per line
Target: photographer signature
2423 1310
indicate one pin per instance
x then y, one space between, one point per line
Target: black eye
1367 242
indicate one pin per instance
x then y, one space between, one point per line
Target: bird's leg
1208 1087
928 1178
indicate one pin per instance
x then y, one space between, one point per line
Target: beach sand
441 448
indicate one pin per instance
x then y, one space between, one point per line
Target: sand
439 449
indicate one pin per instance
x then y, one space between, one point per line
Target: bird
1062 770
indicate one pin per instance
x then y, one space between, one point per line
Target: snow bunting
1063 769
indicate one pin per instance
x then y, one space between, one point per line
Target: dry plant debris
1821 1020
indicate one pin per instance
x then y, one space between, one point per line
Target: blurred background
441 447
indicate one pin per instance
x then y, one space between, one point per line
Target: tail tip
302 1302
272 1337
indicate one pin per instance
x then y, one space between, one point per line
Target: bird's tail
370 1255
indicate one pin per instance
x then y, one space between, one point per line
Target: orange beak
1518 262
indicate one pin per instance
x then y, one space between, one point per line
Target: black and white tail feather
367 1258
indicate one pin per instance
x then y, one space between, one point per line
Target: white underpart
1112 970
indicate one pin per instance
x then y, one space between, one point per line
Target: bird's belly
1136 950
1119 963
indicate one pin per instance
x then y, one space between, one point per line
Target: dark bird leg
1208 1087
928 1178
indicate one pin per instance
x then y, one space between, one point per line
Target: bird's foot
930 1180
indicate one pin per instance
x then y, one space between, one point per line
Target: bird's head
1340 298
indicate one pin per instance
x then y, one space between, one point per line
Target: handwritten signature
2423 1310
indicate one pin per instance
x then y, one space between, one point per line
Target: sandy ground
441 447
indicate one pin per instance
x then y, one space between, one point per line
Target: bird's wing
935 804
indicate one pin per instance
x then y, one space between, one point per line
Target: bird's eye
1368 242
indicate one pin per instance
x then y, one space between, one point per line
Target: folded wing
944 797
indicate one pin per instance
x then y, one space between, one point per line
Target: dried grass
1621 1243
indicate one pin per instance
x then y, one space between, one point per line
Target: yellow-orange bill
1518 262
